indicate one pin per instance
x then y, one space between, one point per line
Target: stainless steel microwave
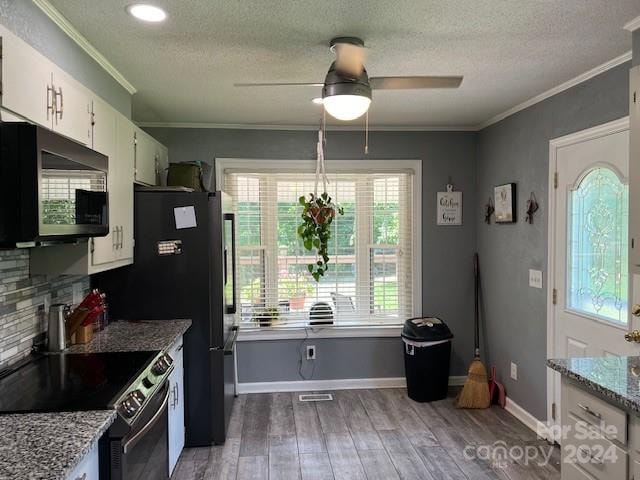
52 189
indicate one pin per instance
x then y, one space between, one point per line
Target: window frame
339 166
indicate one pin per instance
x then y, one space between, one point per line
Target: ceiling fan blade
278 84
409 83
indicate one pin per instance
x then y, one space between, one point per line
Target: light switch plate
535 278
77 294
514 371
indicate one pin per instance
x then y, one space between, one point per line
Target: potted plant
318 211
265 316
296 290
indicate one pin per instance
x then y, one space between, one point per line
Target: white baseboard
540 428
339 384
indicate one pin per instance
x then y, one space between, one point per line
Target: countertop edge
595 387
87 448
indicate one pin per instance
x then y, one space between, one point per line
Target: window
370 279
598 250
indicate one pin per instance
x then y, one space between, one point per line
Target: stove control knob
147 382
139 396
162 365
130 405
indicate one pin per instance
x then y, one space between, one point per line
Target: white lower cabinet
176 405
601 441
88 468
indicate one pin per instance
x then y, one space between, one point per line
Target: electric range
135 384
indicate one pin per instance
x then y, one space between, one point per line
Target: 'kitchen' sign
449 207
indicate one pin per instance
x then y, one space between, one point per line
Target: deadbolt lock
633 336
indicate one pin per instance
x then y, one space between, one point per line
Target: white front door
589 274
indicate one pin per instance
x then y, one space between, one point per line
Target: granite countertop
131 336
617 378
48 445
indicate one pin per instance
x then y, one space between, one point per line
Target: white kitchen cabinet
146 158
36 89
72 116
163 163
26 80
88 468
114 137
176 405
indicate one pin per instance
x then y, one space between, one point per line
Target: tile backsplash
22 299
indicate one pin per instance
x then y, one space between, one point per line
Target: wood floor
364 434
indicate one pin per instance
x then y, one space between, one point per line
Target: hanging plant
315 231
318 211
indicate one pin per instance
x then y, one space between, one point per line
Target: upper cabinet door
125 152
26 81
73 108
146 159
103 128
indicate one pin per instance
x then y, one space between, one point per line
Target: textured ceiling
507 50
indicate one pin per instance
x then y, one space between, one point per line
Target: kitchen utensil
56 329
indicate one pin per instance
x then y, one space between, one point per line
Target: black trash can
427 354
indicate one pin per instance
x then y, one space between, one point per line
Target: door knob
635 310
633 336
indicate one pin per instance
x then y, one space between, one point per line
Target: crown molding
625 57
330 128
633 25
83 43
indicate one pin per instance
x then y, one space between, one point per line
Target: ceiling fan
346 91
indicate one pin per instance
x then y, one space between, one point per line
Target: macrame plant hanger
320 166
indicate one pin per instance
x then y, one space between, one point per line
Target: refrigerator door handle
228 349
234 305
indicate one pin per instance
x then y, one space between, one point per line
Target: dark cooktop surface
71 382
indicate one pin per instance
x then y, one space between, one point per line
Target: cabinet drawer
573 472
590 451
598 413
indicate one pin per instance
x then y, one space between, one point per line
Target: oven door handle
136 438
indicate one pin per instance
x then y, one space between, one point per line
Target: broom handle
476 316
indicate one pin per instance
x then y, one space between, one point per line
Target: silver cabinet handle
59 111
587 453
589 411
50 101
177 395
121 236
114 238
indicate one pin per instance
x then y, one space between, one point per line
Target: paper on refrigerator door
185 217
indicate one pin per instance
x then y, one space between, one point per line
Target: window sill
319 331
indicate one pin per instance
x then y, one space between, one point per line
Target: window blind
369 280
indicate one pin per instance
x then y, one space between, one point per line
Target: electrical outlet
514 371
311 352
535 278
47 303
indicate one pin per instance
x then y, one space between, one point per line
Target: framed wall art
504 199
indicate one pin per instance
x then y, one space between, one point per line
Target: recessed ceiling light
317 100
147 13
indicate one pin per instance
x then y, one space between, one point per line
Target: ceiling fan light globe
346 107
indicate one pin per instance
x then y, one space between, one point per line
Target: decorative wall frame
504 197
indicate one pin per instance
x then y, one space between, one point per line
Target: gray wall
517 150
30 23
446 254
636 48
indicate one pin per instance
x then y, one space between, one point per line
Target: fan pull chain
366 134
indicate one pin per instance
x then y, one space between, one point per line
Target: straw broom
475 393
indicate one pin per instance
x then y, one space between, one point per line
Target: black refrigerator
184 267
